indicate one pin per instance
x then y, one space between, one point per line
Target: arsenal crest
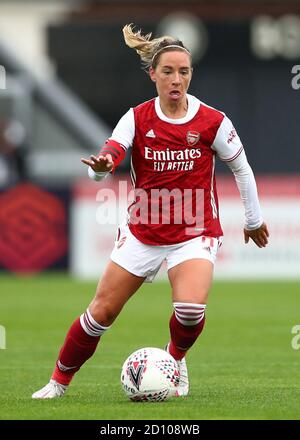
192 137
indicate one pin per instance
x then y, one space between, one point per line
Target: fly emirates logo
174 160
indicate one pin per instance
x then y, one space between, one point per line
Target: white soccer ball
150 374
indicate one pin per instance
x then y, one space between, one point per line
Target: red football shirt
173 170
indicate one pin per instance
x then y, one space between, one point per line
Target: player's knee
91 326
102 311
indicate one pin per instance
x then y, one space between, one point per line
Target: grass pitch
243 366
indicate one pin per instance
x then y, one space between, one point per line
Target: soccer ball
150 374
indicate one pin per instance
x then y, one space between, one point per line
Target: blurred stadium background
70 77
66 77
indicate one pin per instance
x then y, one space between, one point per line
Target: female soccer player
175 139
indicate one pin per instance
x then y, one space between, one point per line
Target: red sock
77 349
183 336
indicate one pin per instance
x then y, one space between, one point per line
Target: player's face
172 75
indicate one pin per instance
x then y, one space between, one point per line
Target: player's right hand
100 163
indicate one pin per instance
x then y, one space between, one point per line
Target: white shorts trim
145 260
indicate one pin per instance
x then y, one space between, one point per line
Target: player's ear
152 74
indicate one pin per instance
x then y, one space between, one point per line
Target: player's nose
176 78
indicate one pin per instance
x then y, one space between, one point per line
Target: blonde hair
148 49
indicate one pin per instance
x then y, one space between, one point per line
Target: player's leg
191 281
115 287
190 270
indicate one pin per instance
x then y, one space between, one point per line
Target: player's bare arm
259 235
100 164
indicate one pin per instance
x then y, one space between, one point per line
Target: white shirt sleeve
124 134
227 143
247 187
97 176
125 130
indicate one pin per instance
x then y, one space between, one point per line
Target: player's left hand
259 235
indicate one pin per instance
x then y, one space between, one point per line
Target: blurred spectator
13 150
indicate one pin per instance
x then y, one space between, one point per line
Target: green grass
242 367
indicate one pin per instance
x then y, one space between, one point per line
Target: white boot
51 390
183 387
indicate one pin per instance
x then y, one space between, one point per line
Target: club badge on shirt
192 138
